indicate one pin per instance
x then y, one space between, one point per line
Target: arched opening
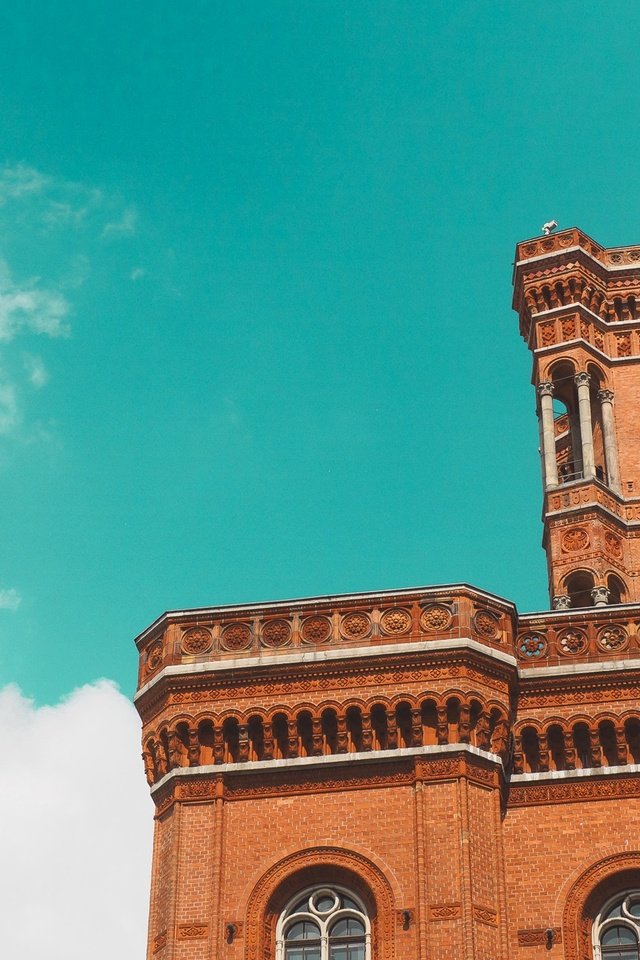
231 739
596 903
178 745
255 731
578 586
530 750
582 744
403 720
429 715
566 423
324 923
607 735
555 741
617 589
632 735
453 719
616 928
379 726
205 739
329 731
305 734
280 737
338 871
474 716
354 730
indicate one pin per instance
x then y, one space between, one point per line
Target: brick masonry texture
470 773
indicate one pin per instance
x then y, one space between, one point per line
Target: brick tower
427 774
579 307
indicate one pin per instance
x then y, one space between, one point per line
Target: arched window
324 923
579 586
616 930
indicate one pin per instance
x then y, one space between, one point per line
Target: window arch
579 585
324 923
616 929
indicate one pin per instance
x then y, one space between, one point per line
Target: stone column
545 390
609 434
600 596
586 431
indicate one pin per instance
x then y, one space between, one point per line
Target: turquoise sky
255 329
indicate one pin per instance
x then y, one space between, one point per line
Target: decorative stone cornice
605 784
353 771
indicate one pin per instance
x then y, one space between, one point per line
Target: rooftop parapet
564 240
272 631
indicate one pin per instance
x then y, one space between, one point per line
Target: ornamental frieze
564 791
593 693
213 694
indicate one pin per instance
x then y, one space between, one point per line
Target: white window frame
600 926
322 921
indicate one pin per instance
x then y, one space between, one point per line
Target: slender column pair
582 380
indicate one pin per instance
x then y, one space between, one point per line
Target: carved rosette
316 629
395 621
531 646
236 636
355 626
155 656
275 633
612 637
572 642
196 640
436 617
486 625
575 540
613 545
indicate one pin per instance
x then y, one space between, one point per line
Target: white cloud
10 599
137 273
76 854
29 307
125 226
9 412
19 181
36 371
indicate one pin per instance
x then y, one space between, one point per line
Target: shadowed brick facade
467 773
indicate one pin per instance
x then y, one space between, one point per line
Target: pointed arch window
324 923
616 930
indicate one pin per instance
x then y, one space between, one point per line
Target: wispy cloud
29 307
36 371
19 180
51 232
10 599
137 273
125 226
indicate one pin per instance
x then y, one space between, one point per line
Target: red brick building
428 774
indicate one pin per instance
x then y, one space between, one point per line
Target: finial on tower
549 226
